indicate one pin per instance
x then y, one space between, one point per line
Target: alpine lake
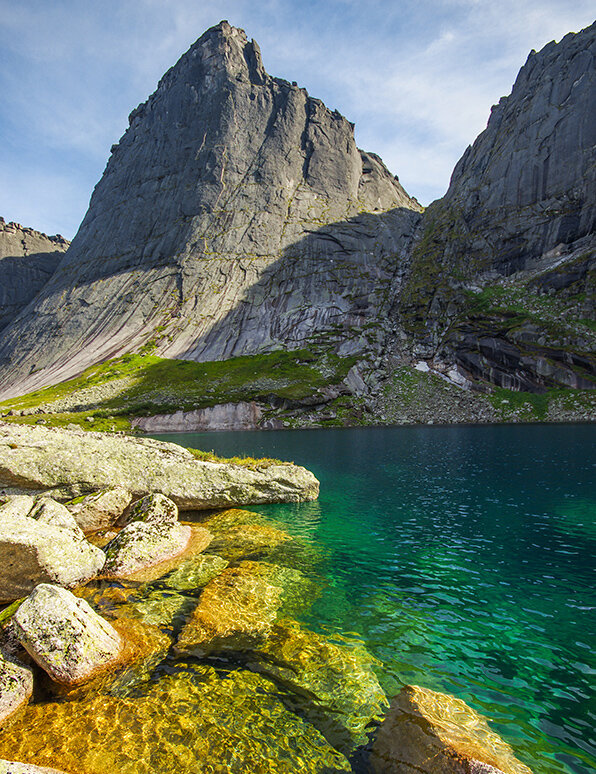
461 557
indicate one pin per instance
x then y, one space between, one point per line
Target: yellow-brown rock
426 732
236 611
186 723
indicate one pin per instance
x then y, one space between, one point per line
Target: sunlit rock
426 732
64 635
184 723
16 687
332 683
100 510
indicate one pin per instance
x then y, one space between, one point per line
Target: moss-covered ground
108 395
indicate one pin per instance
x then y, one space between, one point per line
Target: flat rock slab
141 545
426 732
34 551
73 463
16 687
65 636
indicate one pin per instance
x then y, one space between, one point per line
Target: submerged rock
65 636
235 611
426 732
333 685
194 721
196 572
16 687
49 549
100 510
72 463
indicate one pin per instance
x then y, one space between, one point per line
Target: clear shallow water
464 558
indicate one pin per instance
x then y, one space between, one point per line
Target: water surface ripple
463 557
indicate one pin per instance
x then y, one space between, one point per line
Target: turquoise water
463 557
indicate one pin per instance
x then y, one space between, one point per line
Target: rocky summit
237 223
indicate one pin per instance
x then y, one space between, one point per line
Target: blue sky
417 78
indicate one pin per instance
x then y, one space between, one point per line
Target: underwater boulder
332 683
196 720
427 732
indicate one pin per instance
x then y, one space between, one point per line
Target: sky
417 77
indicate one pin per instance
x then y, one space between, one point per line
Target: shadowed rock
16 687
99 510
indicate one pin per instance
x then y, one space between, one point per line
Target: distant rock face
522 201
230 219
28 259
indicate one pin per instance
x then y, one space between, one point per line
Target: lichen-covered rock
47 511
72 463
426 732
16 506
33 552
16 687
192 721
154 509
334 685
100 510
14 767
65 636
156 539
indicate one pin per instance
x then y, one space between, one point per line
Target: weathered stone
191 721
426 732
65 636
143 544
333 685
16 506
100 510
154 509
32 552
47 511
16 687
73 462
13 767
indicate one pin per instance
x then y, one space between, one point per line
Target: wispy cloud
417 77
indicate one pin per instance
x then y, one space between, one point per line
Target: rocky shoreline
181 633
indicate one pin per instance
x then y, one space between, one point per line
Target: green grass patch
155 385
245 462
536 405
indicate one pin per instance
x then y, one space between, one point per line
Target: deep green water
464 558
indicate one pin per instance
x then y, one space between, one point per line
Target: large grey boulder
72 463
28 259
100 510
16 687
65 636
49 549
234 212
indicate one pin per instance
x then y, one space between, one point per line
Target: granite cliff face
28 259
231 218
236 217
521 205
